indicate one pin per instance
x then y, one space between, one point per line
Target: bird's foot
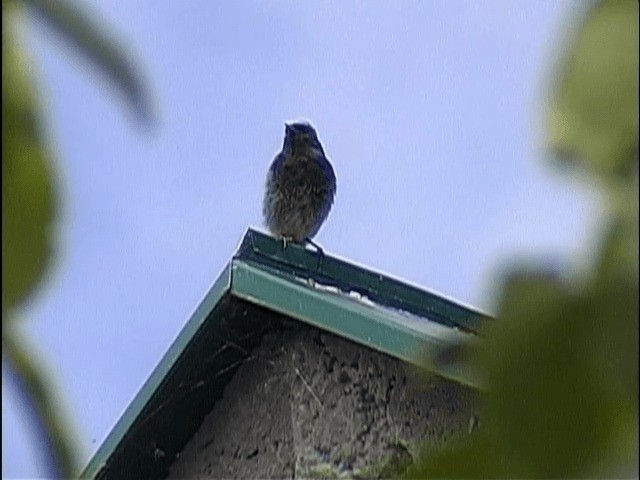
286 241
319 252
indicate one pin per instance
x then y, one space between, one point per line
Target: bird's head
301 134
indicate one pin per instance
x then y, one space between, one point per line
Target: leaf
620 246
29 197
37 394
88 37
593 115
556 406
617 288
554 402
471 459
562 361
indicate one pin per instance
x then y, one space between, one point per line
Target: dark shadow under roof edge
117 433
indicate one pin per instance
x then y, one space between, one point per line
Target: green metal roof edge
268 252
213 296
417 336
401 335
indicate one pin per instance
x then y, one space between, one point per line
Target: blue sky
429 111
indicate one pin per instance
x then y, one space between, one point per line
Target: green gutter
269 254
399 334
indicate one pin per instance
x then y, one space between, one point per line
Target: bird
300 187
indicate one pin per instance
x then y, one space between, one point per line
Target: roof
262 283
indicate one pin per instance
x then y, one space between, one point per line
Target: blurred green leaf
29 198
88 37
593 116
555 405
619 255
618 273
28 193
468 459
38 395
562 361
558 405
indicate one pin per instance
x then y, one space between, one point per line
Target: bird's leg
319 251
317 247
285 242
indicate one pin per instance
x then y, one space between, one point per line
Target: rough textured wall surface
308 404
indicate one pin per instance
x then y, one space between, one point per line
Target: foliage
30 197
562 361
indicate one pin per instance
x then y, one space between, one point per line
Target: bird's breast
302 168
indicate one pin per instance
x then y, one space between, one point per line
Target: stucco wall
308 404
